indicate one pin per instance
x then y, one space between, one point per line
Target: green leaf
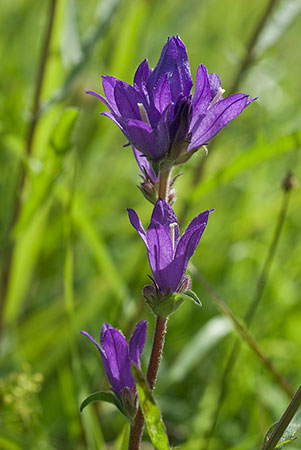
61 138
104 396
151 412
289 434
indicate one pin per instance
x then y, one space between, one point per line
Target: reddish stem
156 355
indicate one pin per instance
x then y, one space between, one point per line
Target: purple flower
117 356
169 254
158 114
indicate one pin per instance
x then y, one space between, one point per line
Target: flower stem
154 362
284 421
164 177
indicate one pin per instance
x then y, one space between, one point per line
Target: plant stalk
284 421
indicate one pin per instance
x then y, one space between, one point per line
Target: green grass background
78 263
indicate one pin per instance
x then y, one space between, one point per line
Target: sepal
166 305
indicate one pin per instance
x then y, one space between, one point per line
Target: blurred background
70 259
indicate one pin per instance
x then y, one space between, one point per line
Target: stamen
217 97
172 227
143 113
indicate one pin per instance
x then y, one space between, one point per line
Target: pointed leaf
152 414
193 296
105 396
289 434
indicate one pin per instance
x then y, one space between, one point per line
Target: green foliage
102 396
151 412
290 433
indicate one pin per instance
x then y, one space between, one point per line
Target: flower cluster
165 124
158 114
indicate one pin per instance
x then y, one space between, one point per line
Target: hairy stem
156 355
35 112
261 283
284 421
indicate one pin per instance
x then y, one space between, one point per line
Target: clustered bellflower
158 114
169 254
117 357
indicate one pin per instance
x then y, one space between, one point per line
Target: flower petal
202 95
201 219
108 84
215 84
185 250
142 137
141 75
145 165
136 223
116 351
217 118
127 99
162 94
137 341
101 98
160 253
165 216
115 383
173 62
114 118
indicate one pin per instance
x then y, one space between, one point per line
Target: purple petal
160 253
162 130
185 250
116 351
141 75
217 118
108 84
165 216
202 95
92 339
114 118
173 62
162 94
115 383
100 97
145 165
142 137
180 124
215 84
137 342
136 223
201 219
127 99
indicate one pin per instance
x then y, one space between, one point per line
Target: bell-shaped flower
158 114
117 357
169 254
